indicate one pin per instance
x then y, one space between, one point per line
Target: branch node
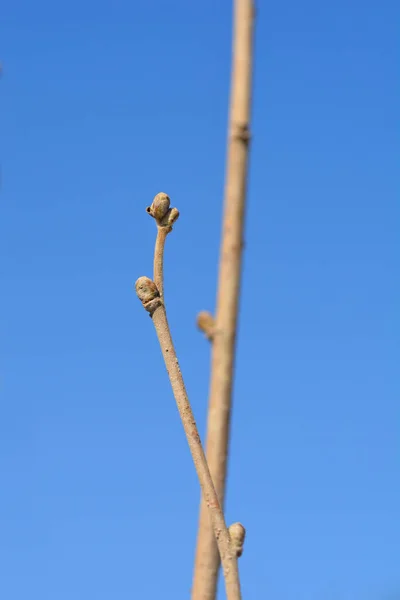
159 207
241 132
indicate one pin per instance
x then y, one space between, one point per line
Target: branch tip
159 207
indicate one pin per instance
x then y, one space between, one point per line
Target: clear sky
103 105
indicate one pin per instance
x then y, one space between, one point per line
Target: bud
147 291
237 534
206 323
172 216
159 207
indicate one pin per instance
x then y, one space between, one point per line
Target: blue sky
102 106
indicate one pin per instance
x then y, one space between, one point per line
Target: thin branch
224 331
165 217
149 294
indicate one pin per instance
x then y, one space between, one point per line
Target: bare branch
149 294
224 333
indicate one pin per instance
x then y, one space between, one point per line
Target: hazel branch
151 296
165 217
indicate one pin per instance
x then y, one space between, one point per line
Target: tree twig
152 300
165 217
224 330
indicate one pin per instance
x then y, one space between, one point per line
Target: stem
224 334
158 264
220 531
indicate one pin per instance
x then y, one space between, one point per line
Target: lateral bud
237 534
206 324
148 294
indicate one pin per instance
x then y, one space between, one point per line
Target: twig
165 217
162 233
149 294
224 331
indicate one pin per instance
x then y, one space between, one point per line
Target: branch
165 217
149 294
224 329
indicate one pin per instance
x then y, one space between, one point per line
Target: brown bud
159 207
206 324
146 290
237 534
171 216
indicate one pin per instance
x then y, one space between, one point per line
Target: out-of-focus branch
224 330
